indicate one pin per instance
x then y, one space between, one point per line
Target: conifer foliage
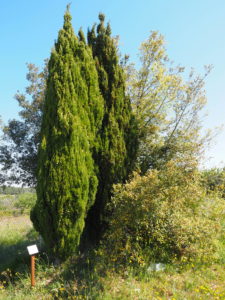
72 117
118 134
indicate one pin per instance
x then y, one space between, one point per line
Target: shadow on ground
15 256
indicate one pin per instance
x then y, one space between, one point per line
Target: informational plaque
32 249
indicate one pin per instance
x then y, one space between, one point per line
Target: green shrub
163 216
25 202
214 180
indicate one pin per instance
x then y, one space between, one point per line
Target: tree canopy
167 107
18 151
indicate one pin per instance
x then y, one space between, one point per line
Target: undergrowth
93 276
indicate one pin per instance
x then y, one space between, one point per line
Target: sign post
32 250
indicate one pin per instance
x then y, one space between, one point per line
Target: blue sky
194 33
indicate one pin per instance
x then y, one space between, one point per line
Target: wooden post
32 260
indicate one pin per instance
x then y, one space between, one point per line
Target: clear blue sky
194 31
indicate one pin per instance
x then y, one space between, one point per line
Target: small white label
32 249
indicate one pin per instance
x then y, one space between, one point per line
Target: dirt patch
15 221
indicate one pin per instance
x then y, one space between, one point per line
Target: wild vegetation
95 277
123 210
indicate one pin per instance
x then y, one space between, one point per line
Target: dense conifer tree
72 117
118 132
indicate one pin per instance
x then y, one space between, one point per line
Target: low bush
163 216
25 202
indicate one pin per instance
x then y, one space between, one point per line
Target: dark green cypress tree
72 117
118 133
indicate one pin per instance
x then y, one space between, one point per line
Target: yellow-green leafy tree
167 107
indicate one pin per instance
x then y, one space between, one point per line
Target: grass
94 279
16 233
7 205
201 283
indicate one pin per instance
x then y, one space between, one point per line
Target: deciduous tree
18 151
167 107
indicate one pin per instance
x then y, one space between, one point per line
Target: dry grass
13 229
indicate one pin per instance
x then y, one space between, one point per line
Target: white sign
32 249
